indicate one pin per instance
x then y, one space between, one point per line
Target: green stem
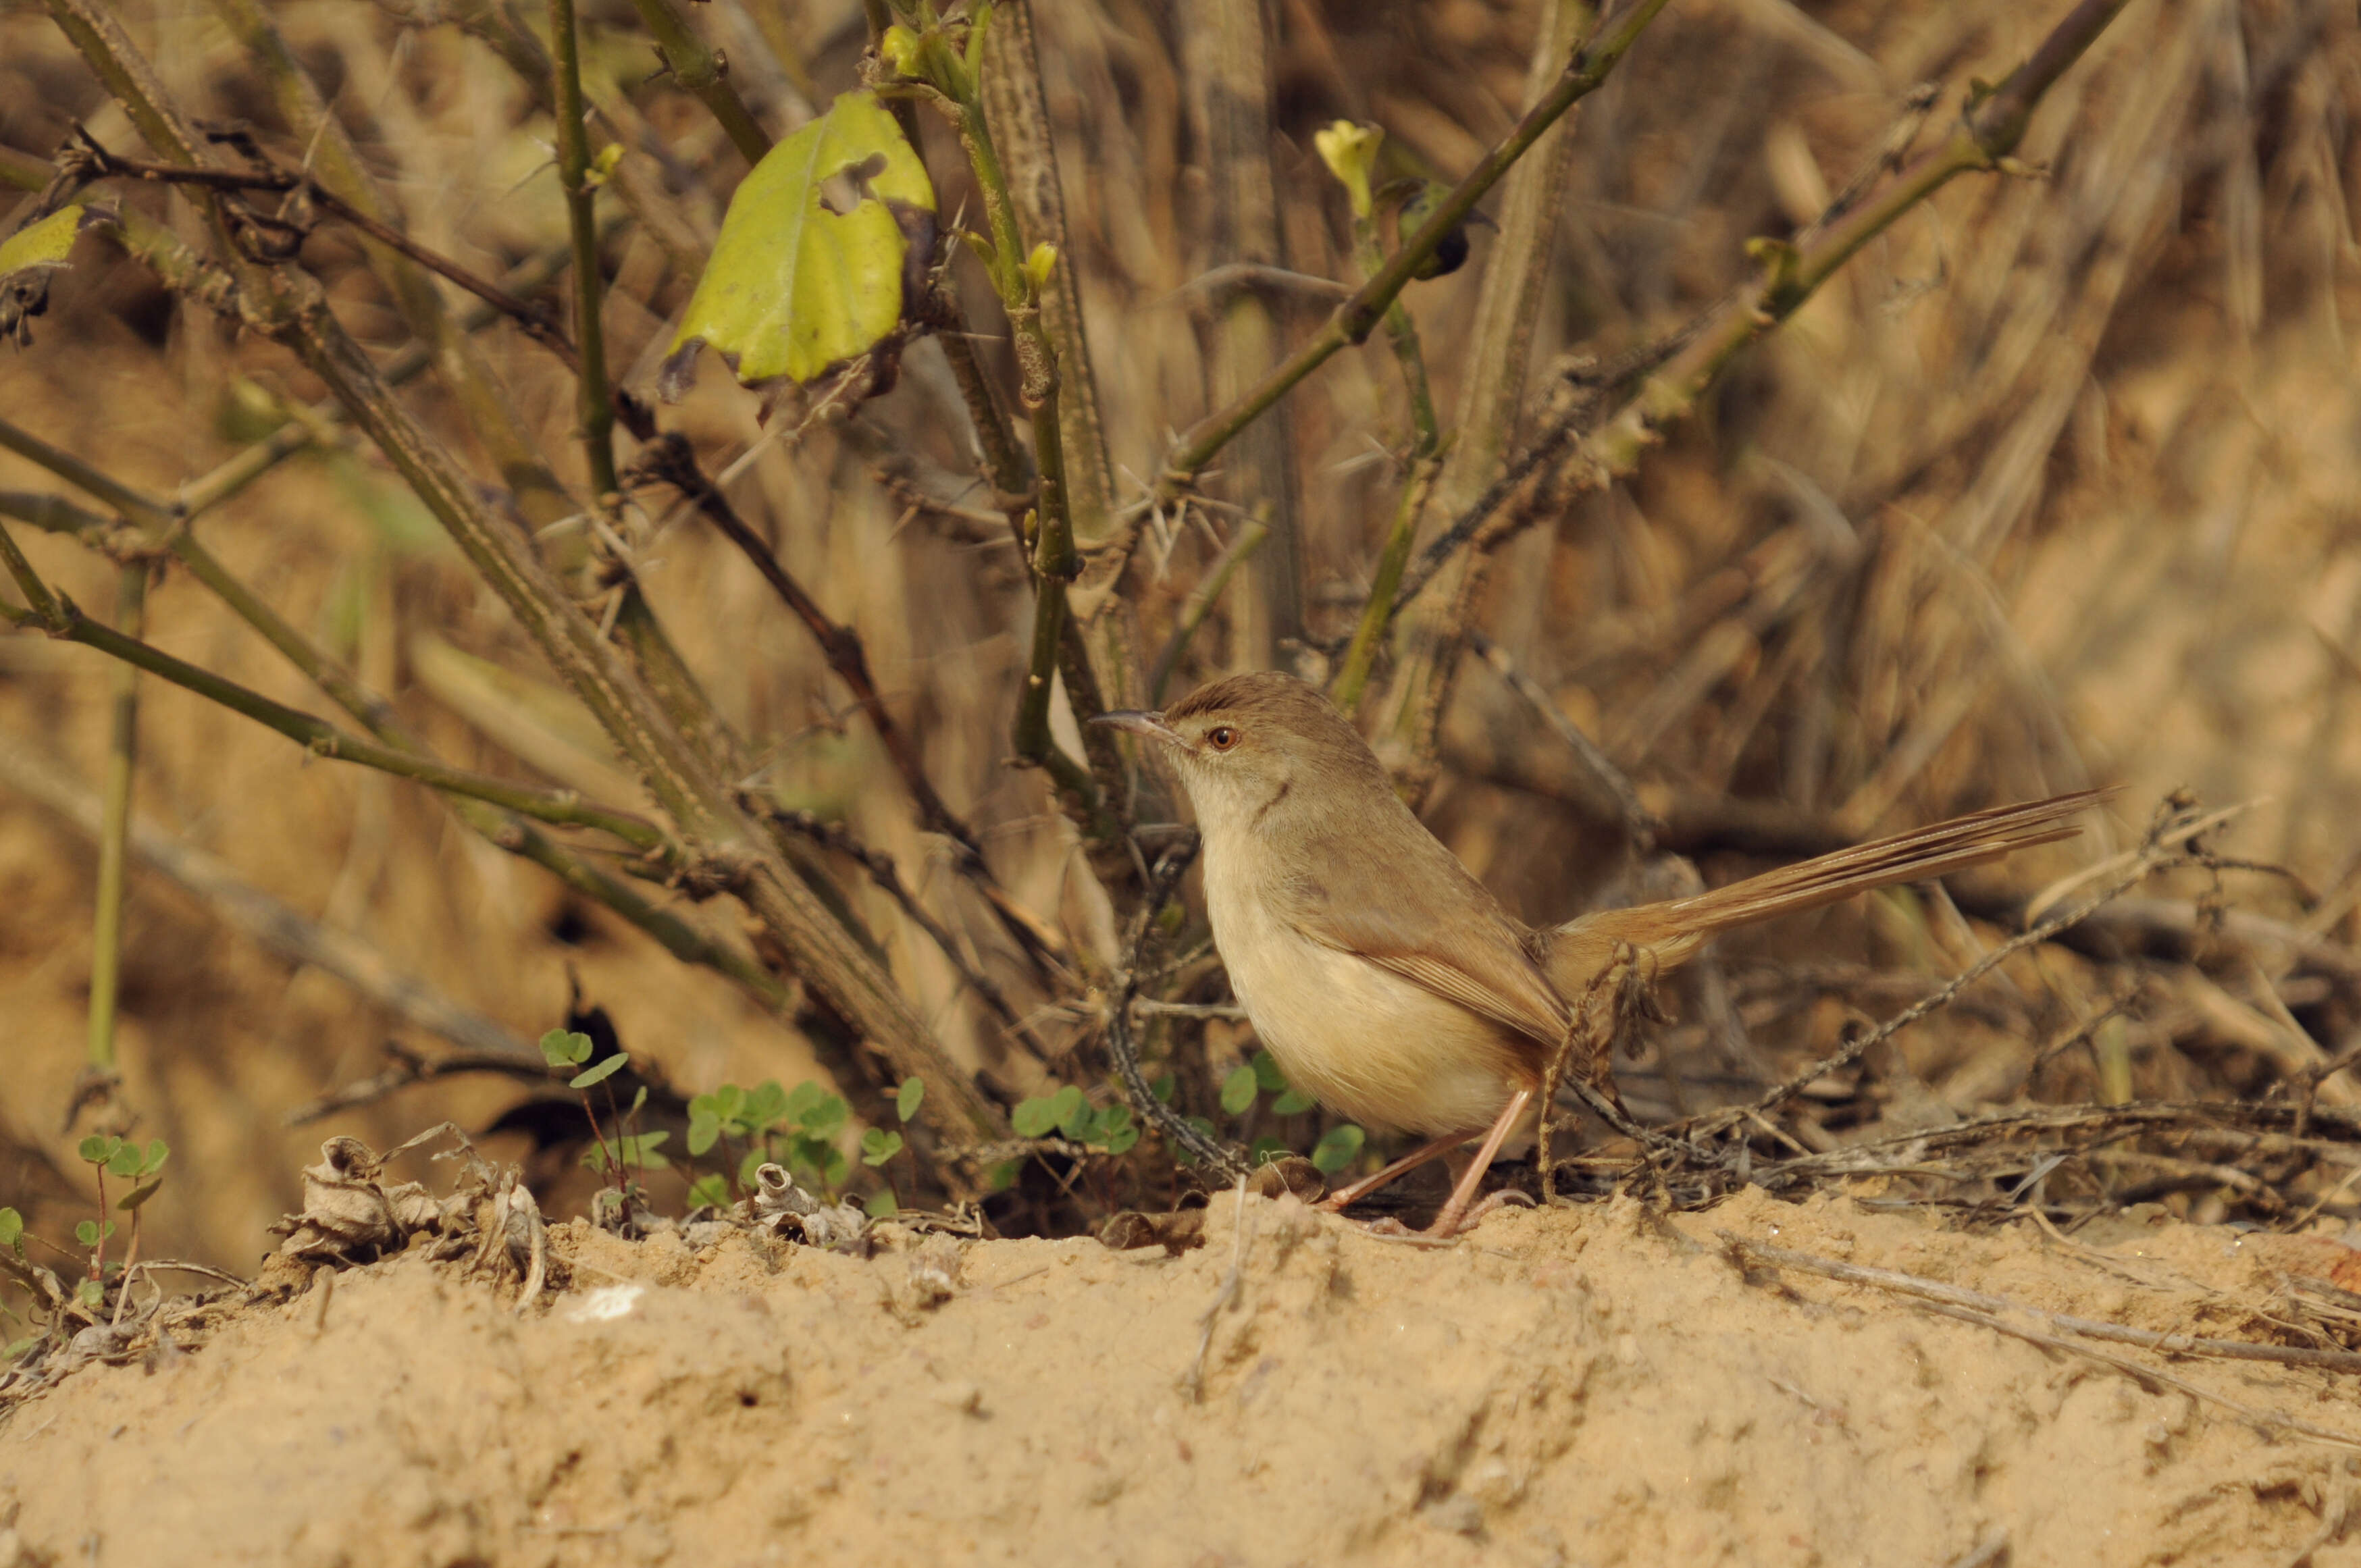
76 472
45 608
114 826
1353 675
1401 333
1011 91
1427 463
594 404
1056 562
1354 320
703 73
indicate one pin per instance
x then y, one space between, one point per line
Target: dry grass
2051 486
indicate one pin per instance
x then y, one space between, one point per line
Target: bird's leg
1344 1197
1455 1212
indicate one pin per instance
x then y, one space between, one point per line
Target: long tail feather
1673 930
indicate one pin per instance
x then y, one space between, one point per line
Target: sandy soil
1595 1385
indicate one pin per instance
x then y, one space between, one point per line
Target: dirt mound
1591 1385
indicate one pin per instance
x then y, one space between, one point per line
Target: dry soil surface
1595 1385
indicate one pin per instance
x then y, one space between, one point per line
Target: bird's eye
1221 737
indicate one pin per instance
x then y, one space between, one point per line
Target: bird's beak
1151 725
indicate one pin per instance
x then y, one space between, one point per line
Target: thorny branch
278 237
1177 1130
1563 459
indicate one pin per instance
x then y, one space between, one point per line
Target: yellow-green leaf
797 283
44 244
1350 151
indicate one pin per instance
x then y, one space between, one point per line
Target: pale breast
1362 1040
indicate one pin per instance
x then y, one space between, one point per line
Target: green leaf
1163 1087
641 1150
980 22
767 1105
756 1160
1002 1177
1269 1077
1337 1148
125 1161
1072 1112
704 1130
601 1073
827 1118
638 1101
16 1348
878 1145
823 1161
157 1153
88 1233
1238 1089
98 1149
1295 1102
90 1292
883 1206
907 1098
1350 151
800 1105
1033 1118
795 287
560 1049
708 1193
141 1194
12 1227
1122 1139
44 244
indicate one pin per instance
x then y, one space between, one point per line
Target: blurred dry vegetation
2052 485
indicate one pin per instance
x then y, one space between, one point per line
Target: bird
1386 981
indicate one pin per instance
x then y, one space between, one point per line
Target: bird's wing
1453 938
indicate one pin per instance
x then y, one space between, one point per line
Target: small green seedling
637 1151
564 1048
1246 1084
1070 1114
1338 1148
126 1160
12 1238
878 1145
799 1128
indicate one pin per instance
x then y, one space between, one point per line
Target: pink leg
1455 1212
1343 1195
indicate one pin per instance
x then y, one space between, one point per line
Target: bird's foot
1447 1225
1392 1230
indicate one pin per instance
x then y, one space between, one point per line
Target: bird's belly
1362 1040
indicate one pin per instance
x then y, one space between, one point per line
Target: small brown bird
1386 981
